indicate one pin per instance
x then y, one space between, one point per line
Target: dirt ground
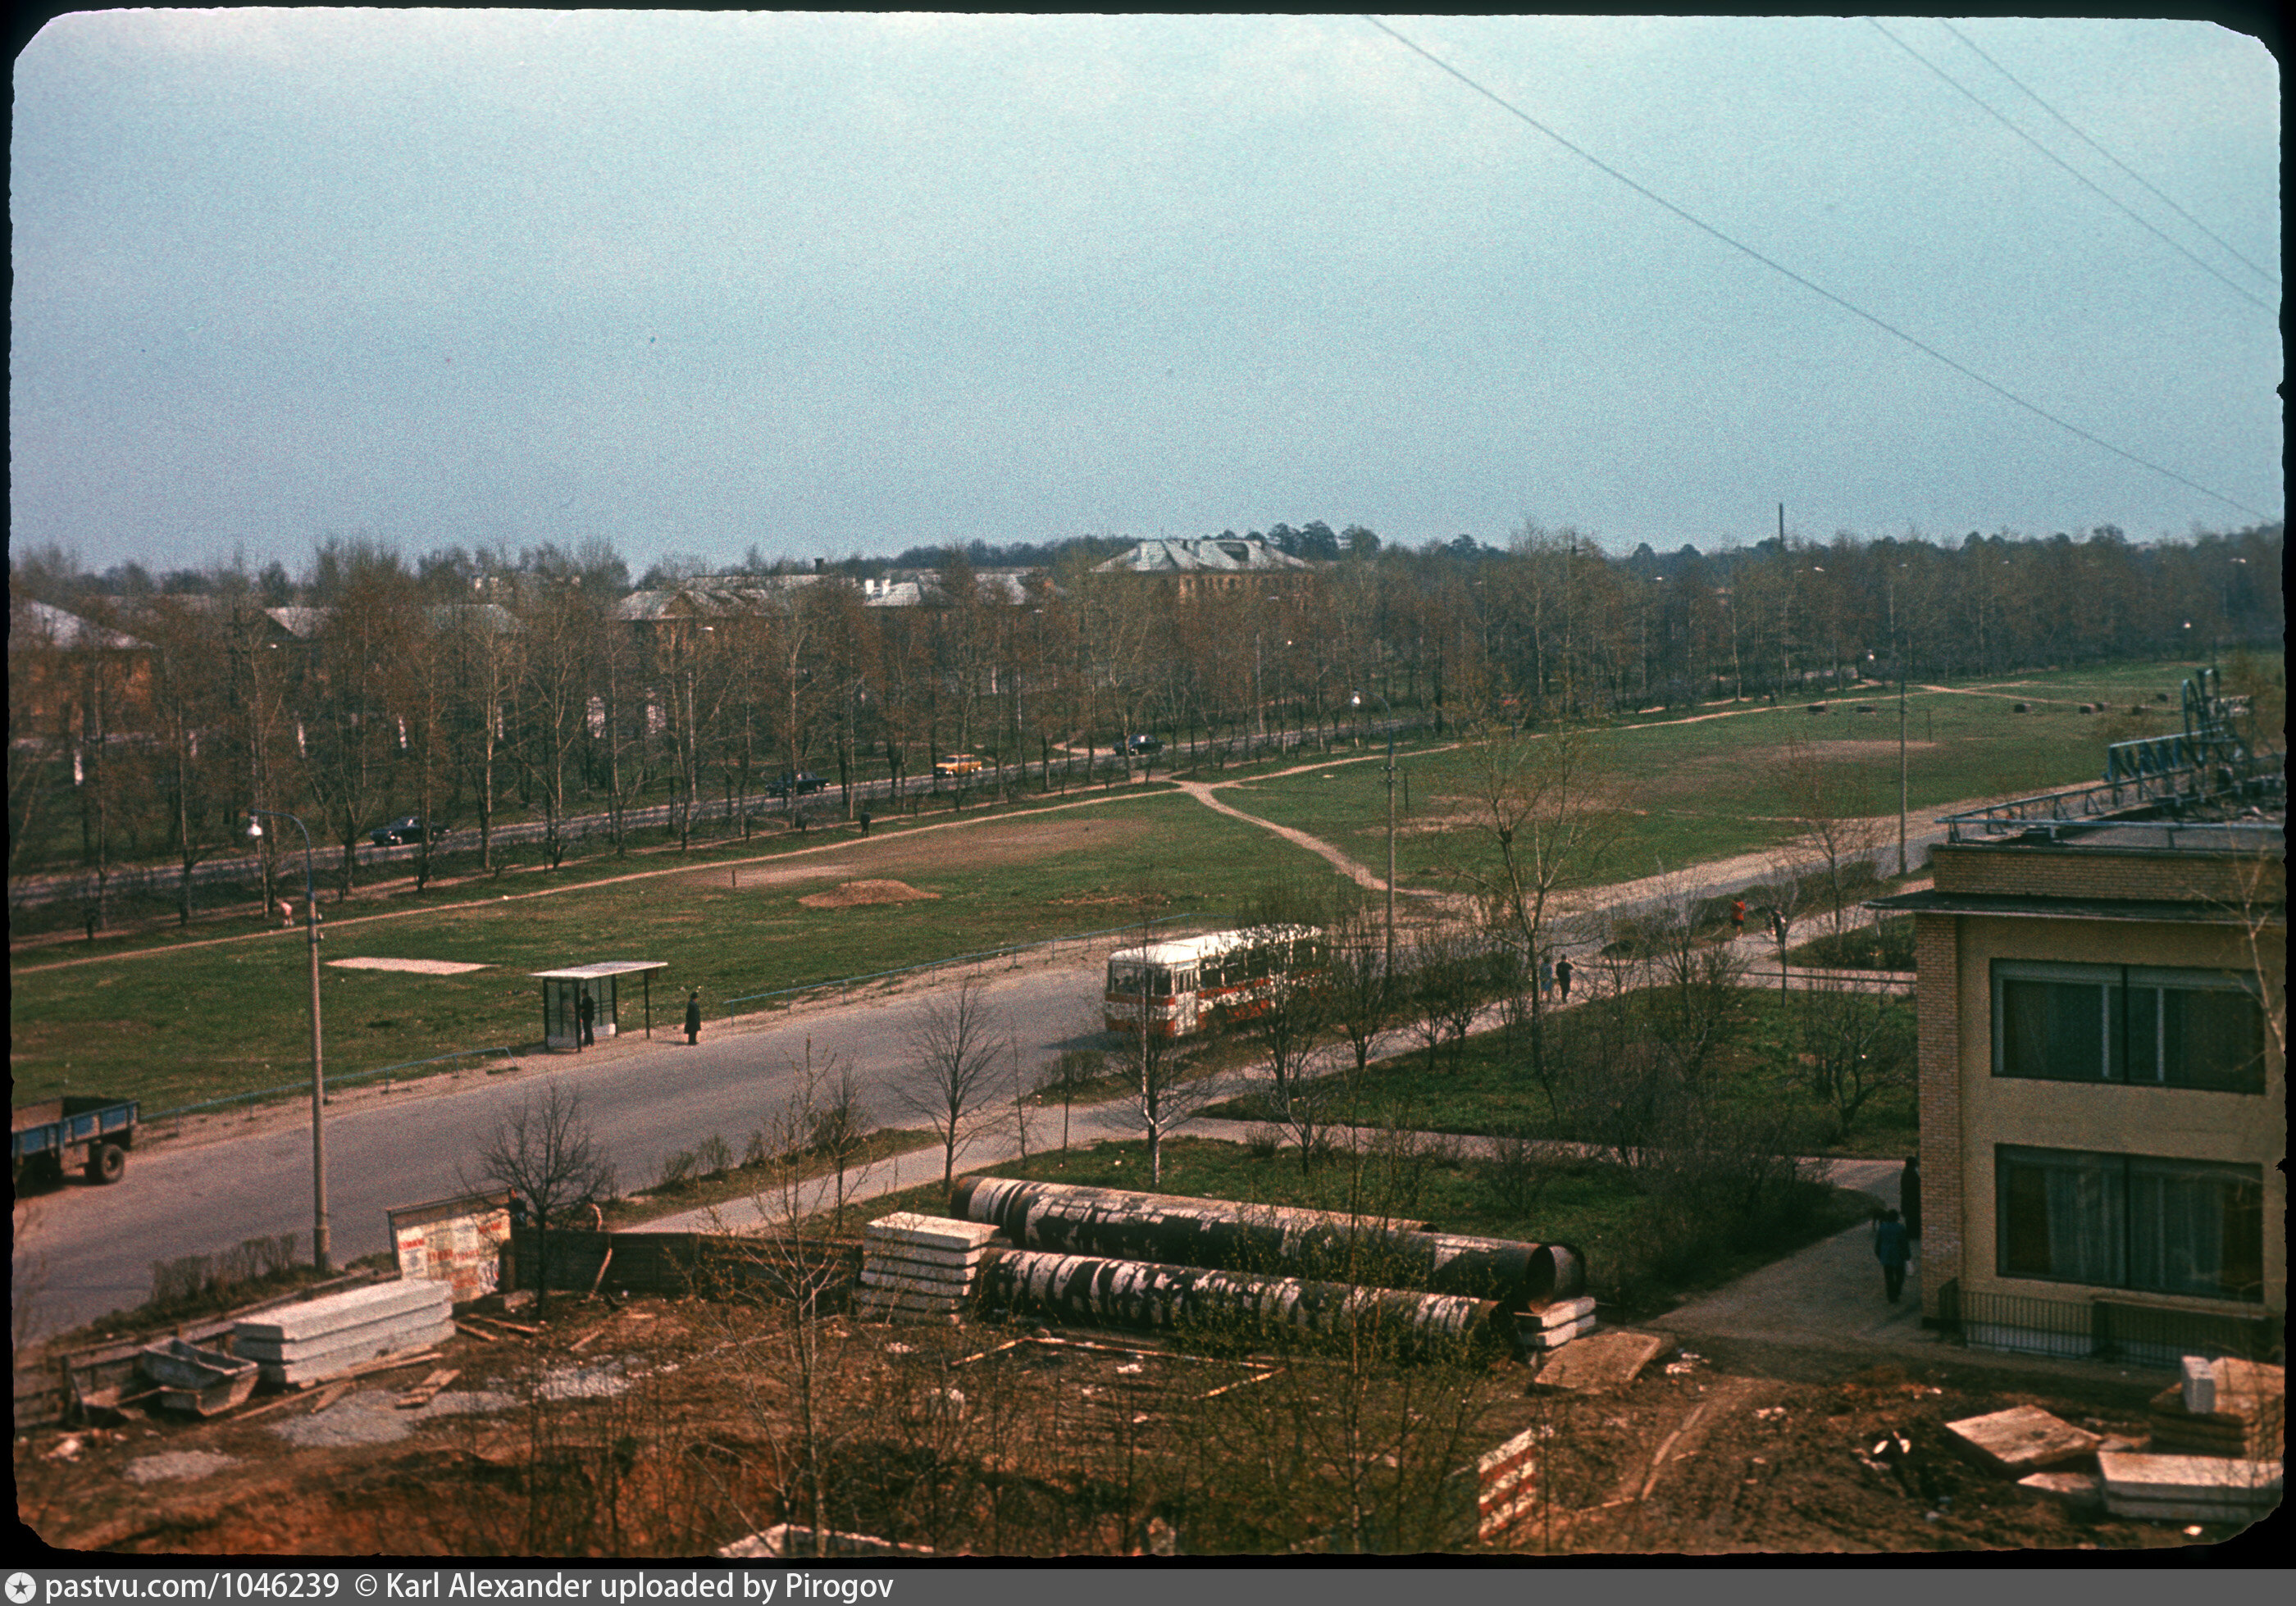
1019 842
659 1435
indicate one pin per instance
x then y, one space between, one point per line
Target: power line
2108 156
2081 177
1776 266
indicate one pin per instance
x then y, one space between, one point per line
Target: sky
696 282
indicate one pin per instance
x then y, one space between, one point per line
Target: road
236 1179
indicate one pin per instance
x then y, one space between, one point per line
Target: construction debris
918 1267
2023 1439
2078 1491
320 1337
423 1392
1604 1362
2189 1488
2246 1417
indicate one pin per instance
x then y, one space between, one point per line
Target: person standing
586 1012
1737 917
1562 977
1547 975
865 822
1892 1249
694 1015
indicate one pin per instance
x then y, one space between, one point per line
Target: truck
93 1133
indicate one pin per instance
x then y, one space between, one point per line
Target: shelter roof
604 967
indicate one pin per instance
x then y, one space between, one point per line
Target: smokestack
820 565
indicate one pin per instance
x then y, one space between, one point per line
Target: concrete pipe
1159 1298
1062 1218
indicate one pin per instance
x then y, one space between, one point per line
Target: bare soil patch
853 895
418 967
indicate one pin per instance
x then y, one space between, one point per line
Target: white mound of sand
419 967
853 894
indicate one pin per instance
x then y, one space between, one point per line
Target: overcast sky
835 284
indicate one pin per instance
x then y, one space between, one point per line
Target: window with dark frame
2129 1221
2138 1025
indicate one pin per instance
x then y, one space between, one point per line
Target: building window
2163 1226
2127 1023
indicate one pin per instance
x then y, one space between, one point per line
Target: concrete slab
911 1254
2250 1485
928 1231
353 1307
2023 1439
2200 1385
1557 1313
385 1334
1603 1361
909 1277
325 1365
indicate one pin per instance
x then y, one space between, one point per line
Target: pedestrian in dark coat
1892 1249
865 822
1563 977
586 1012
694 1015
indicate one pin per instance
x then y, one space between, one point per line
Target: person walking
1737 917
694 1015
586 1012
865 822
1562 977
1892 1249
1547 975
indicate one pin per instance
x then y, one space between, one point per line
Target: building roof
69 630
711 596
2192 911
1204 554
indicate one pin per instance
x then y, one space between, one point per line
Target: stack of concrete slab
301 1343
2189 1488
1555 1323
920 1268
2225 1407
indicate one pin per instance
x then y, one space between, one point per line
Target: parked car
1143 744
407 828
802 784
960 764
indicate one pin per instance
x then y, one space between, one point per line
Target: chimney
820 565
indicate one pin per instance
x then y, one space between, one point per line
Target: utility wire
2078 175
2262 272
1776 266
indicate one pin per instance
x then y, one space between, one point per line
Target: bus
1183 987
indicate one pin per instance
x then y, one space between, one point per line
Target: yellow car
959 764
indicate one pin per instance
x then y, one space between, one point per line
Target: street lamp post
319 1255
1357 700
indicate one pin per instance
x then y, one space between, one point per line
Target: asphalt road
208 1191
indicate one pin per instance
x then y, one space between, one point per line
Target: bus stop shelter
563 992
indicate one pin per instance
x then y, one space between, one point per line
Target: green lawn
1491 1090
1698 787
206 1022
1586 1205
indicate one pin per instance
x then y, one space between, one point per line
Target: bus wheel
108 1164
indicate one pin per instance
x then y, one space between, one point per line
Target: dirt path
1361 875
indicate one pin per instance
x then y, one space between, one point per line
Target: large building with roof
1207 563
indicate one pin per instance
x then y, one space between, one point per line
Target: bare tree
1831 802
955 1044
1076 1069
839 1131
546 1152
1856 1043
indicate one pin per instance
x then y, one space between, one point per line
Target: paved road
232 1180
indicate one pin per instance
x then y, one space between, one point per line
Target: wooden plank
480 1333
423 1392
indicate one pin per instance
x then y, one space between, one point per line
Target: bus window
1185 983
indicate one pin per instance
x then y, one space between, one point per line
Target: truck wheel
108 1164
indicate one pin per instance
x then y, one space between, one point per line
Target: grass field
1586 1206
1491 1091
207 1021
1699 784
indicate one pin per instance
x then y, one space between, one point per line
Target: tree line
147 714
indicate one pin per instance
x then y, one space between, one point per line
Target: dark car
801 783
1143 744
407 828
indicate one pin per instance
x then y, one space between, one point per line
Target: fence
845 984
676 1264
2102 1330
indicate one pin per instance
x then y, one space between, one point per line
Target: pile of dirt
852 894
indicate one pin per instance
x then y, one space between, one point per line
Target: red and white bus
1184 986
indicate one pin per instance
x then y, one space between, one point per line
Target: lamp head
254 827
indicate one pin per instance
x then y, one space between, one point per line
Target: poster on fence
453 1241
